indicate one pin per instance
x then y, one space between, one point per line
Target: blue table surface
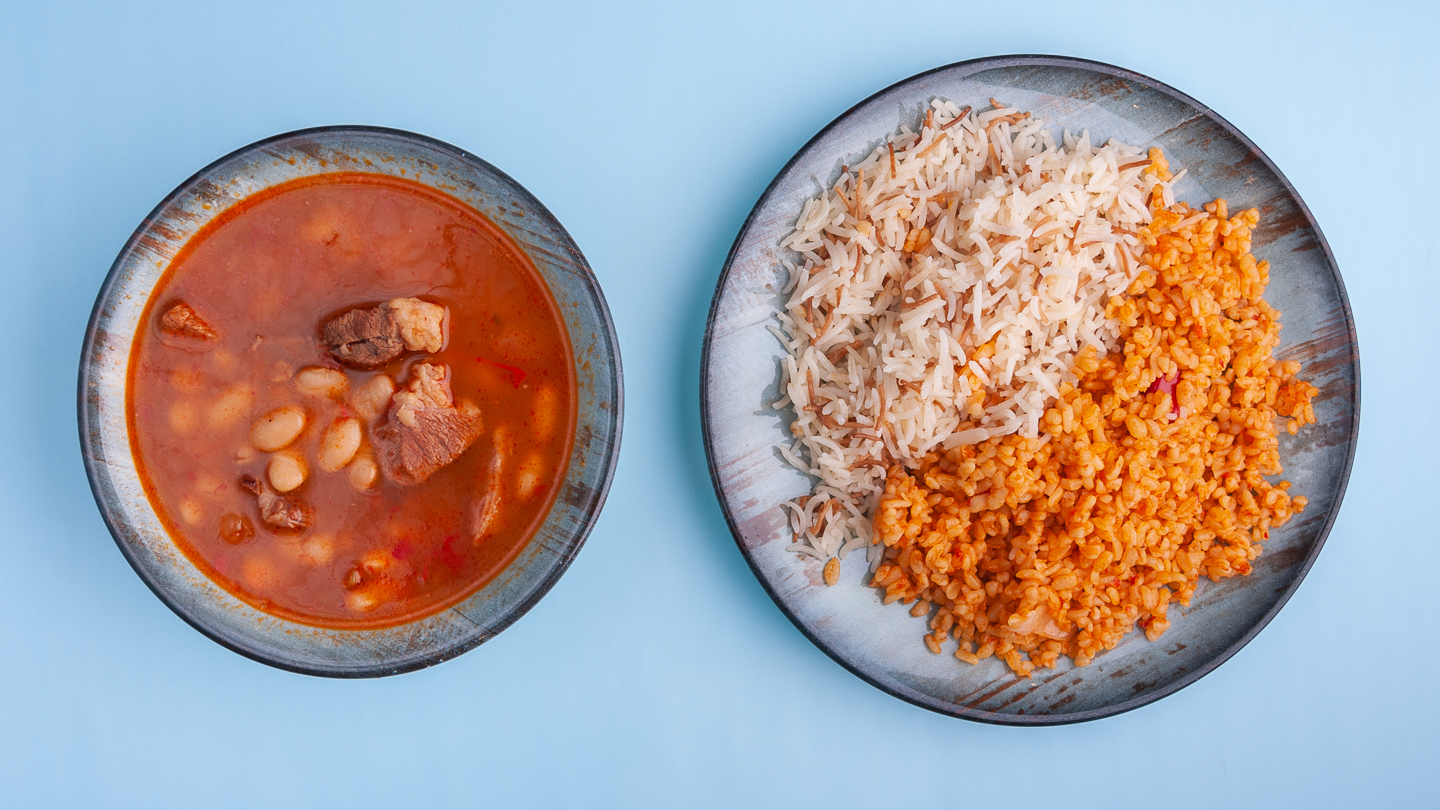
658 673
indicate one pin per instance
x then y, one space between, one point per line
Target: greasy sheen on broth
264 277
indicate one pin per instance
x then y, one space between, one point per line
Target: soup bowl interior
115 478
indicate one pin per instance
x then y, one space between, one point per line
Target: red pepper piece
1167 385
517 375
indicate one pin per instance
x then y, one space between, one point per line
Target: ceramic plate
740 375
106 445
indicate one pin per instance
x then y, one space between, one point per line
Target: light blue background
657 673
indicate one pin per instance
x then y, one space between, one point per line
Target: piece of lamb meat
363 338
424 429
278 511
180 320
369 337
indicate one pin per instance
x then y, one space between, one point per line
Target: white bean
286 471
232 406
373 396
317 550
321 382
547 411
182 417
191 510
208 484
277 429
222 358
530 476
363 472
257 574
376 561
362 601
339 444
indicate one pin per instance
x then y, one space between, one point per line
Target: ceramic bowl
105 441
740 376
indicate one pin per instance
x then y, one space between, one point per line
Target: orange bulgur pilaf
1153 472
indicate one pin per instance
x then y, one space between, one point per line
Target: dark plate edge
997 718
92 455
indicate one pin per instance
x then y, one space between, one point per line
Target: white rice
894 353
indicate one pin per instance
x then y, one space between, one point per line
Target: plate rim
95 475
967 68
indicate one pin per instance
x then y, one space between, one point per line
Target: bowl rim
966 68
113 521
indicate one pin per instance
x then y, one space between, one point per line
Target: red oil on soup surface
264 276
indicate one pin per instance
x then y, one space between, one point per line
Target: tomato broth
234 336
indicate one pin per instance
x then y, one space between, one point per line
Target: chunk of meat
484 511
370 337
278 511
363 338
425 430
235 529
429 387
180 320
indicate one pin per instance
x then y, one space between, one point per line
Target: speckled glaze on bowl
740 375
105 442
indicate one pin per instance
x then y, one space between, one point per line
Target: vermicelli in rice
945 284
